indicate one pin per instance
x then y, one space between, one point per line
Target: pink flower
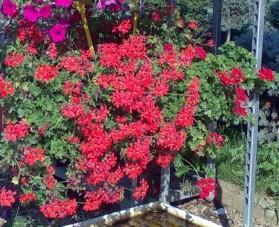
9 8
31 13
63 3
45 12
58 33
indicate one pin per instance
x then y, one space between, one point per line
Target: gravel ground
231 218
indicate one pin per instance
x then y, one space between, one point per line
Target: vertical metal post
217 17
142 11
165 184
252 131
134 184
171 10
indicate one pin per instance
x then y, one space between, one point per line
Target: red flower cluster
240 100
72 110
27 198
173 59
30 33
185 117
6 88
51 51
46 73
15 131
124 27
14 59
80 65
236 77
190 53
170 138
59 208
207 187
141 191
215 139
7 197
49 181
73 89
107 195
93 200
266 74
169 142
135 89
32 155
31 50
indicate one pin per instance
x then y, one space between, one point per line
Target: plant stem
190 164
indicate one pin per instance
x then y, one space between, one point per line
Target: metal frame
122 215
252 130
217 18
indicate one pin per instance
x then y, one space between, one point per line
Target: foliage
268 123
196 10
273 14
270 47
231 161
236 14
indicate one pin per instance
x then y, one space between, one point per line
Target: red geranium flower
49 181
51 51
27 197
46 73
59 208
266 74
207 188
215 139
200 53
141 191
124 27
93 200
32 155
7 197
14 59
71 110
15 131
239 101
31 50
77 64
6 88
170 138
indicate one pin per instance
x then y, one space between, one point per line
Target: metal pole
142 8
252 131
217 17
165 183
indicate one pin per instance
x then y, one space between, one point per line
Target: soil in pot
154 219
